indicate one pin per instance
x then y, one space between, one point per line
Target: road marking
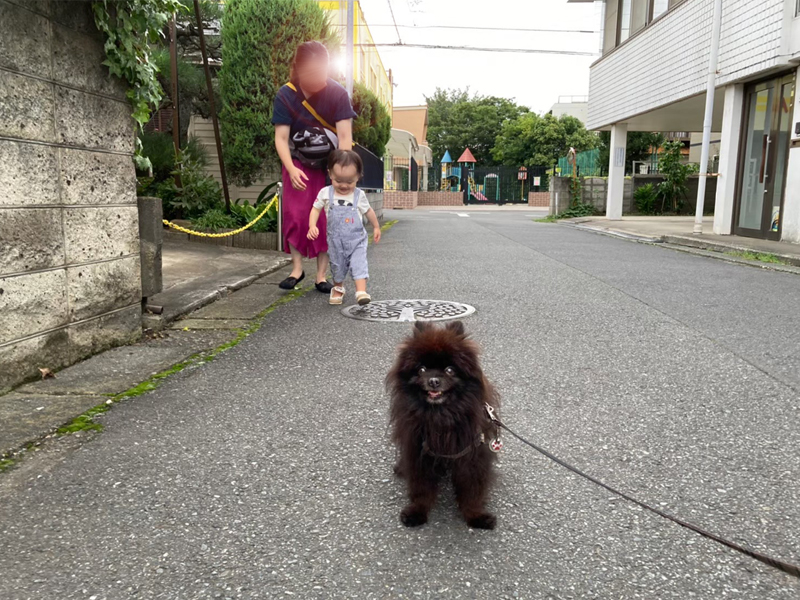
462 214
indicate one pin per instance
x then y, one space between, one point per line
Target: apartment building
652 77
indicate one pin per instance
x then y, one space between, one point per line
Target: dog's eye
450 371
422 370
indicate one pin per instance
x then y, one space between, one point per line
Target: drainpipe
349 45
710 87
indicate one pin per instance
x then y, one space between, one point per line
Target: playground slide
479 196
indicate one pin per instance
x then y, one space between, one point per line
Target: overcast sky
535 80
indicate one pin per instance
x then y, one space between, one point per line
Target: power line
528 30
391 10
477 49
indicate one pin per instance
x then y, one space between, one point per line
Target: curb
698 247
157 322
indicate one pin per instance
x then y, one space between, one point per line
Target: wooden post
212 107
176 117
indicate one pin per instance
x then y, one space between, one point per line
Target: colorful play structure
458 176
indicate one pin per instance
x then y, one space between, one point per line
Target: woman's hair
305 52
346 158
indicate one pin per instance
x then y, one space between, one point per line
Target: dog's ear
420 326
456 327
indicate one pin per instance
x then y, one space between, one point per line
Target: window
632 16
661 6
797 9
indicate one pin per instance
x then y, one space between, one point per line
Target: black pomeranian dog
440 423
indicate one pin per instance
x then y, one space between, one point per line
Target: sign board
522 175
537 181
619 156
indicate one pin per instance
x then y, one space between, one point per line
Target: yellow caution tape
227 233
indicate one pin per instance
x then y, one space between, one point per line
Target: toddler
344 205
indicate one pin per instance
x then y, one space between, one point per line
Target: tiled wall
441 199
395 199
539 199
69 245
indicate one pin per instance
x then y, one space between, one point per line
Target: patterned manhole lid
409 310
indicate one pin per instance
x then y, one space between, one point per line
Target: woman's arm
282 146
344 131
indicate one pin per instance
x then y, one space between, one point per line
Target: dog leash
786 567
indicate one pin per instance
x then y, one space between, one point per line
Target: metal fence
400 174
587 164
494 184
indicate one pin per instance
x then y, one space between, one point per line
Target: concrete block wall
395 199
69 239
375 198
440 199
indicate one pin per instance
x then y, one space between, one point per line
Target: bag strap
310 109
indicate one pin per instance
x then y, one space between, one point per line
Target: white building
573 106
652 77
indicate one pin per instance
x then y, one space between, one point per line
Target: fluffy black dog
440 424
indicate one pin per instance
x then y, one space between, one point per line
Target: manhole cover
409 310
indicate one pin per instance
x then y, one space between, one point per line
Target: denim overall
347 239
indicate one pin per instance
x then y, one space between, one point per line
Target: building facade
652 77
367 64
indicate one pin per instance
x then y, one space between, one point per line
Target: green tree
457 121
372 128
640 146
540 140
673 189
259 38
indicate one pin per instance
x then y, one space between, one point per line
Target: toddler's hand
376 234
313 233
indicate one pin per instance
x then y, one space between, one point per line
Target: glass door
768 121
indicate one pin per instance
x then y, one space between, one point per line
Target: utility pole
349 39
176 116
713 58
212 106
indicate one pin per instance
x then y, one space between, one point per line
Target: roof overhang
685 115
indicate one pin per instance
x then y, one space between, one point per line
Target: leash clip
490 411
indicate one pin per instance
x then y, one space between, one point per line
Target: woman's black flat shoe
324 286
291 282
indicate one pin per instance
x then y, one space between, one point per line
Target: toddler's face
344 179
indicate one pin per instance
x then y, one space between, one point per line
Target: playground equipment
450 174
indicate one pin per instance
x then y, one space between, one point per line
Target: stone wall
375 198
395 199
69 240
440 199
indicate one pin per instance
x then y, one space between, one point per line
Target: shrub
673 189
645 198
198 193
372 128
158 147
215 219
259 38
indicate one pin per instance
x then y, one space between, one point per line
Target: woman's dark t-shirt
332 103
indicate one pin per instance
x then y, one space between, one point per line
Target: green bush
673 189
646 198
372 128
215 219
198 193
158 147
259 38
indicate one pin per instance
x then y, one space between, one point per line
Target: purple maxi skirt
297 206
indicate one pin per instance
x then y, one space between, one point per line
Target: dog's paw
484 521
411 516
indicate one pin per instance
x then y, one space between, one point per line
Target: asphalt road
267 472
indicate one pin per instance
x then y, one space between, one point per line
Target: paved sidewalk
197 274
678 230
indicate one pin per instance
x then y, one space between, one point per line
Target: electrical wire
478 49
527 30
391 10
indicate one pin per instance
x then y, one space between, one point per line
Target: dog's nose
434 382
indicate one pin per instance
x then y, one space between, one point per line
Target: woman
303 141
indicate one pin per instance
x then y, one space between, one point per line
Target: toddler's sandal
337 289
363 298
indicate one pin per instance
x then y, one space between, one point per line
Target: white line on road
462 214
